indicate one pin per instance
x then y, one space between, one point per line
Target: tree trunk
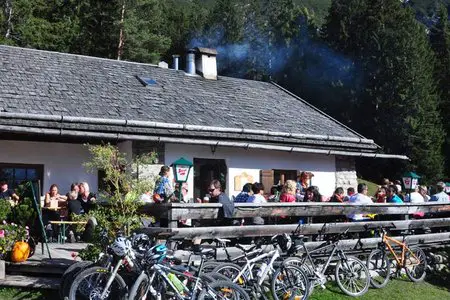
121 35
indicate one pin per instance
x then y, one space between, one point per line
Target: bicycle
286 281
160 280
351 274
411 259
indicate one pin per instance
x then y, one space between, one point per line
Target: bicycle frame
247 269
400 259
163 271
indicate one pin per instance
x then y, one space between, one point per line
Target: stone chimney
205 62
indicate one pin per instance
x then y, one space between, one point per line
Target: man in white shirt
360 198
441 196
415 197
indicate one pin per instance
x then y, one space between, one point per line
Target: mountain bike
261 274
161 280
351 274
411 259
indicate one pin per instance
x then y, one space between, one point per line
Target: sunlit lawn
397 289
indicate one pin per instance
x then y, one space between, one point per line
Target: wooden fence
437 215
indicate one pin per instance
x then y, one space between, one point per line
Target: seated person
246 192
77 207
86 198
53 198
360 198
338 195
391 195
74 187
6 193
257 198
440 196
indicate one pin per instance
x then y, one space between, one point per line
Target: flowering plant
9 235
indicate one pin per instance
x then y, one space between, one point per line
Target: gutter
214 143
149 124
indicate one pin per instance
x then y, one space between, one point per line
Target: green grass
27 294
373 187
397 289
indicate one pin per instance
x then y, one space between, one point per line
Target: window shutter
267 180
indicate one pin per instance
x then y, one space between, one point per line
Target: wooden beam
180 211
306 229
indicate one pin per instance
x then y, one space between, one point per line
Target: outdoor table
62 229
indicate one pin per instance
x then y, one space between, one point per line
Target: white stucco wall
63 163
252 161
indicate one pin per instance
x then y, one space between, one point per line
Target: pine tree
144 40
398 107
440 42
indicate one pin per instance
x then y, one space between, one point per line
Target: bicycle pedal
322 286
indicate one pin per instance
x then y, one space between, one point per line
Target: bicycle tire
299 282
139 288
238 292
349 266
118 287
231 270
379 267
218 276
418 272
71 272
209 266
306 267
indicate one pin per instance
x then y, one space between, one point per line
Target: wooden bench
62 229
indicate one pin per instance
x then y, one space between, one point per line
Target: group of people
79 200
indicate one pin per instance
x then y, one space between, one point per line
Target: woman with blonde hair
289 191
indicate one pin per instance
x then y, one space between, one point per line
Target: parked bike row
279 268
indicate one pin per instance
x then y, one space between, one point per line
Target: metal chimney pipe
190 62
176 58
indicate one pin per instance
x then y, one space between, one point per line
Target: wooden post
2 269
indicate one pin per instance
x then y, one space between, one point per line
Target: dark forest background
381 67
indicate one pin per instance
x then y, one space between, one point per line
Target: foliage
9 235
119 211
399 104
5 209
366 63
440 42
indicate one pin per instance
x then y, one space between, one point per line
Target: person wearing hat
6 193
163 189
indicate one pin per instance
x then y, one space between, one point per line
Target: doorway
206 170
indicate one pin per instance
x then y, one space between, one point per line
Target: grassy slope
371 185
398 289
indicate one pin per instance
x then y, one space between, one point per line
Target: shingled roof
50 90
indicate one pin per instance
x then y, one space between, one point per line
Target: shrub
119 200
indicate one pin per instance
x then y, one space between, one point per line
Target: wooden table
62 230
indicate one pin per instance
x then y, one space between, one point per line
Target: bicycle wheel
68 276
306 267
379 268
290 282
209 266
415 264
352 276
218 276
225 290
140 287
231 271
90 283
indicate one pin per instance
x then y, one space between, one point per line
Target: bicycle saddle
221 241
245 248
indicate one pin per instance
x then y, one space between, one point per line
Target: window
146 81
15 174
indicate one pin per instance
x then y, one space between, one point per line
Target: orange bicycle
411 259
